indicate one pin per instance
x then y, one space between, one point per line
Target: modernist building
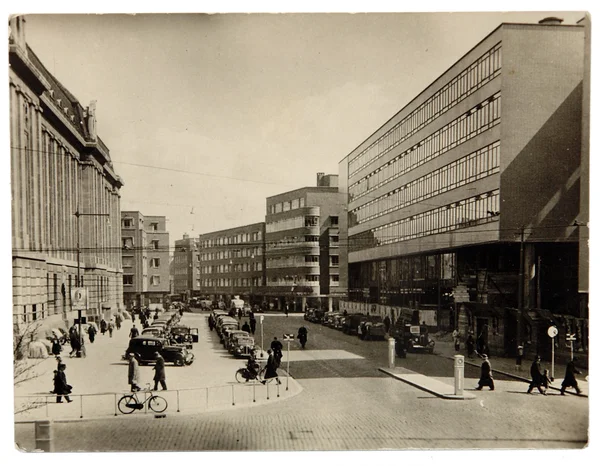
302 245
232 262
65 196
145 250
472 190
186 268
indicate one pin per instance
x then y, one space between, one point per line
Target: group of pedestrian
133 374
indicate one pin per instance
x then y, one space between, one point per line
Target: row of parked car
167 336
240 343
409 338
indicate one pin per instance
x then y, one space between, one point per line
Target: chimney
320 176
552 20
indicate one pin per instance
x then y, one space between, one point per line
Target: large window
127 223
155 262
127 279
154 244
155 280
483 70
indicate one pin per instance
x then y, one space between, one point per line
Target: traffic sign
79 298
262 318
288 337
552 331
571 337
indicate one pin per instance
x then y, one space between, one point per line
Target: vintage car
228 330
183 334
371 327
230 334
415 338
241 345
144 347
316 316
153 331
328 318
351 323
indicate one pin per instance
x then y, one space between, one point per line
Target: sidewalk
100 379
506 366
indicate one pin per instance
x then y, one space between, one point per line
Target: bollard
459 374
43 435
391 353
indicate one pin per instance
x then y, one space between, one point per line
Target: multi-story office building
65 196
145 256
473 188
186 268
302 240
232 263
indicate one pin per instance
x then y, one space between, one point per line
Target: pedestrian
134 332
470 345
536 376
103 326
118 321
133 316
546 379
456 338
91 333
56 348
211 322
519 358
246 327
252 323
272 366
74 340
61 387
277 348
287 309
570 380
133 375
110 328
159 372
240 314
486 379
387 323
303 336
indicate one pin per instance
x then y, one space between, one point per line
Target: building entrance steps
425 383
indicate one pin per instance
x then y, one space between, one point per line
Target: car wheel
179 362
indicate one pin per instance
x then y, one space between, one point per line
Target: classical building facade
146 259
65 196
186 267
302 246
232 263
471 192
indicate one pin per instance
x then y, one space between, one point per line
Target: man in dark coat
92 333
470 345
570 380
272 366
134 332
277 348
246 327
159 372
537 378
486 379
252 323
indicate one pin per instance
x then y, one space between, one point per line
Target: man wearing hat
486 379
134 373
537 377
159 372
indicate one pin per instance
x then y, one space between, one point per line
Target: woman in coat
133 375
570 380
159 372
103 326
537 377
486 379
61 387
92 333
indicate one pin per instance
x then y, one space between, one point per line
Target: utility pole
521 284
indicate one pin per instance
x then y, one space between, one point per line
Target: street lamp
79 281
231 277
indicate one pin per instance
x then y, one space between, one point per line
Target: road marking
320 355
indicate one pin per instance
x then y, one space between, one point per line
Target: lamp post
79 280
231 278
251 278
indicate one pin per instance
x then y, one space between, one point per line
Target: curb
514 376
426 389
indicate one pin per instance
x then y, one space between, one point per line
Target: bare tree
24 369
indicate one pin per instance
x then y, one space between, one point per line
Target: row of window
128 262
128 243
231 254
290 281
220 282
472 167
486 68
467 212
227 268
297 261
128 222
286 206
154 280
291 223
234 239
480 118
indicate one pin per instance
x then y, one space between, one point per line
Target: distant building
485 161
65 197
145 255
186 268
302 246
232 262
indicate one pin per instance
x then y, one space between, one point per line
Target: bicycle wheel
241 375
126 403
157 404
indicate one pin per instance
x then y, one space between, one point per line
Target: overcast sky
207 115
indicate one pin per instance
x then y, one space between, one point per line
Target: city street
345 403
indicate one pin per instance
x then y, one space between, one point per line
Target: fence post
278 389
254 393
233 395
115 404
267 390
43 435
177 400
80 406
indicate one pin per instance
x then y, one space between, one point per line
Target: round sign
552 331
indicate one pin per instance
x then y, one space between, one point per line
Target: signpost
552 332
262 342
288 337
571 338
79 302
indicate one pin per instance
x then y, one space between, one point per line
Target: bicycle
243 375
127 404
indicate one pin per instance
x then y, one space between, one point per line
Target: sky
207 115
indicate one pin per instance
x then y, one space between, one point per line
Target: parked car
331 317
229 336
371 327
351 323
153 331
244 347
183 334
144 347
416 338
317 316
